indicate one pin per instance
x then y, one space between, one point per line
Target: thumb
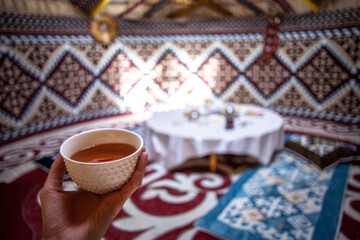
56 174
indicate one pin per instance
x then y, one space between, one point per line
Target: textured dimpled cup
101 177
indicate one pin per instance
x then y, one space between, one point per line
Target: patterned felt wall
53 73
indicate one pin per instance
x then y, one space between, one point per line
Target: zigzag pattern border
118 47
66 47
146 68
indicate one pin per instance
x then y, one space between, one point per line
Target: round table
171 138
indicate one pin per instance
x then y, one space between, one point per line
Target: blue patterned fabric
288 199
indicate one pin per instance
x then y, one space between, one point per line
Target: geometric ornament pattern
351 47
46 110
144 50
169 73
69 79
17 87
121 74
267 77
296 49
218 72
349 102
323 74
293 97
242 50
193 49
94 52
243 95
37 54
47 80
98 101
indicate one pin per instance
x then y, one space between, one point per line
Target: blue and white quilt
288 199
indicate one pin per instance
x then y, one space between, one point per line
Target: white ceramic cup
102 177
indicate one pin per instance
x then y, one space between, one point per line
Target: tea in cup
102 160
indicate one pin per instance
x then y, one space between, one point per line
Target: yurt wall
54 73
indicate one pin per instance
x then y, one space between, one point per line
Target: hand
81 214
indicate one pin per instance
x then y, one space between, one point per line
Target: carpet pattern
286 199
167 206
188 192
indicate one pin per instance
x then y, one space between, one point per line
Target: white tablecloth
171 138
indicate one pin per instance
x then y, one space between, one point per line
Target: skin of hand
81 214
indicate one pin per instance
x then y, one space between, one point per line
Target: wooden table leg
213 162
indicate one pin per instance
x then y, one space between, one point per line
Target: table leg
213 162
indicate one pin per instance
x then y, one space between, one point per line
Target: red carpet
21 218
165 207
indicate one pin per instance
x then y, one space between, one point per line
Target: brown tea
103 153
